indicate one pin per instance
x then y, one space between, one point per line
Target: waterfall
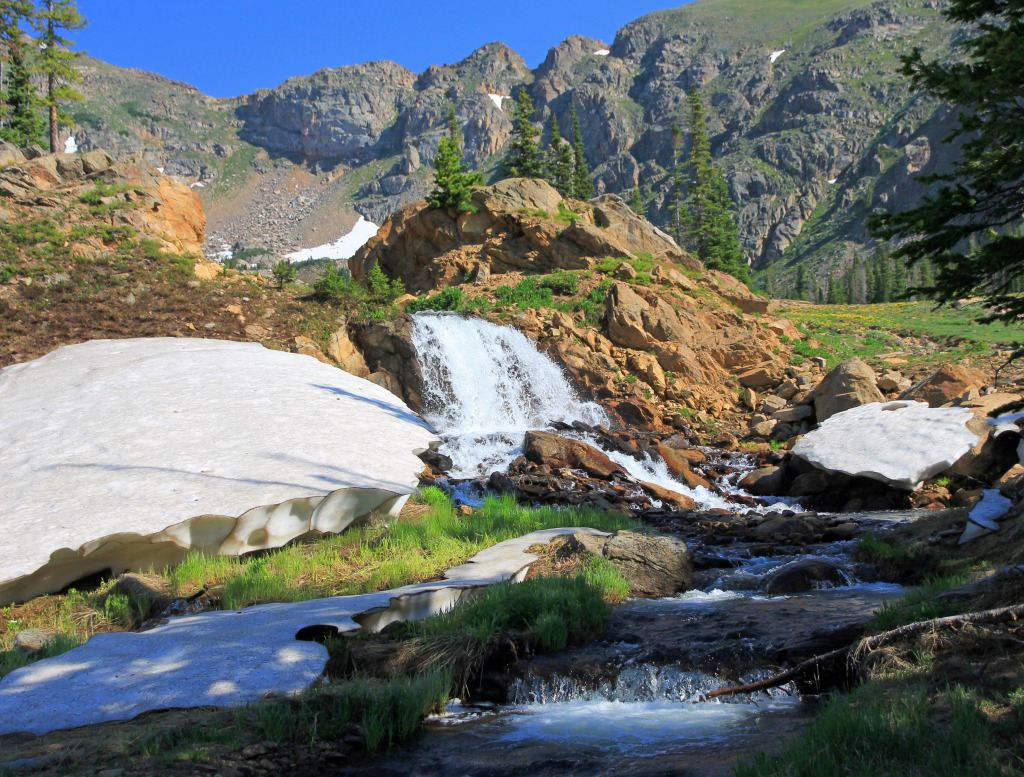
485 386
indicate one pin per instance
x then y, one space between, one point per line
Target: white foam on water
657 472
343 248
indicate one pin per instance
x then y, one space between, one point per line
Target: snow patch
197 185
343 248
70 146
775 55
832 180
107 467
602 53
497 98
160 170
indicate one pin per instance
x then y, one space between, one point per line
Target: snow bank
497 99
602 53
228 658
775 55
344 248
70 146
119 454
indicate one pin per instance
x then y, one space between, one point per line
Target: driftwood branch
998 615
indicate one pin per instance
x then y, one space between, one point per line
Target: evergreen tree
583 184
981 198
524 158
560 161
57 62
637 202
711 228
12 14
675 209
833 289
899 277
851 285
801 282
452 183
927 274
24 125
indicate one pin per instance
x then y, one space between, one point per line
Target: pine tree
452 183
12 14
583 184
851 284
637 202
524 158
966 226
833 289
710 227
801 282
57 62
24 125
560 161
678 178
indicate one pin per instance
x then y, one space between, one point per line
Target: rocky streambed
630 703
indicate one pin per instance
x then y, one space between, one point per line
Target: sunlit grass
384 553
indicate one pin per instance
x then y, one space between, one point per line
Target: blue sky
228 47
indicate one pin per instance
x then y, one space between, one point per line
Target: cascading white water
485 386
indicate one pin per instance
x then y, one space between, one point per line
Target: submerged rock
804 575
898 443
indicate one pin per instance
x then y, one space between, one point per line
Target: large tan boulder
851 384
559 452
945 384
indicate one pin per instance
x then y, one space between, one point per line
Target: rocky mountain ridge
809 119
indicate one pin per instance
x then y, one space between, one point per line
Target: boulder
804 575
673 498
898 443
766 481
559 452
945 384
850 384
654 565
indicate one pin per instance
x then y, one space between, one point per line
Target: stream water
629 704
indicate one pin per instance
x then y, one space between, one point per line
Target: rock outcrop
522 225
676 333
130 192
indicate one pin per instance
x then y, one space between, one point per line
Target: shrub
562 282
447 299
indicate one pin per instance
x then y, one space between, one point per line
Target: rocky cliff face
809 119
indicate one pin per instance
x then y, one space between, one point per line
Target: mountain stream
629 704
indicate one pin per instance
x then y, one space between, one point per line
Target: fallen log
998 615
